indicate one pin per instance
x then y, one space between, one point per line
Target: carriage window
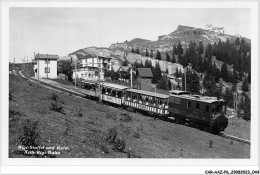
197 106
213 107
113 93
188 104
108 91
146 99
103 90
218 108
207 108
223 109
119 94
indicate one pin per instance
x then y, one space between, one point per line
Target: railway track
77 94
222 134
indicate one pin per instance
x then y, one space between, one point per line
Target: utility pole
47 66
75 73
14 64
38 70
185 78
99 79
27 67
131 75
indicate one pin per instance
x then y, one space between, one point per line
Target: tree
179 48
201 48
146 53
141 65
192 81
245 87
163 83
137 50
224 72
174 50
66 68
168 58
157 73
133 50
148 64
114 76
125 63
210 85
208 51
158 55
169 85
173 60
247 108
151 53
125 75
107 74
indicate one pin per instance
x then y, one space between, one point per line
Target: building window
47 62
197 105
188 104
47 70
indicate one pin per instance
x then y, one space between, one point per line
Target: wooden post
38 70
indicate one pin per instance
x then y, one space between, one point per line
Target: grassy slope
158 139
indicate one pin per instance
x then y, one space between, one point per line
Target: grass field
83 128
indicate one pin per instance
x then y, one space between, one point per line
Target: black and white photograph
117 82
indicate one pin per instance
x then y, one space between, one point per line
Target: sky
62 31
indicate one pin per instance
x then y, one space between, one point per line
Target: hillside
82 133
183 34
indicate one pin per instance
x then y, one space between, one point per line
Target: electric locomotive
206 112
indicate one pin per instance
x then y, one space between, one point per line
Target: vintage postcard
130 83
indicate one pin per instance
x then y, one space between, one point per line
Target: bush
10 95
119 144
111 136
79 112
56 107
136 135
210 143
103 148
54 97
30 134
126 117
12 112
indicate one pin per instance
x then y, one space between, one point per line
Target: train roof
200 98
89 81
114 86
148 93
178 92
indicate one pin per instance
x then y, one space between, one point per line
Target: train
204 112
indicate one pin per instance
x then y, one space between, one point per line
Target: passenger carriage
90 88
146 101
112 93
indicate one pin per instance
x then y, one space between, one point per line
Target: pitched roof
145 72
124 68
45 56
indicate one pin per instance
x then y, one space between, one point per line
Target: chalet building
144 78
47 67
89 68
